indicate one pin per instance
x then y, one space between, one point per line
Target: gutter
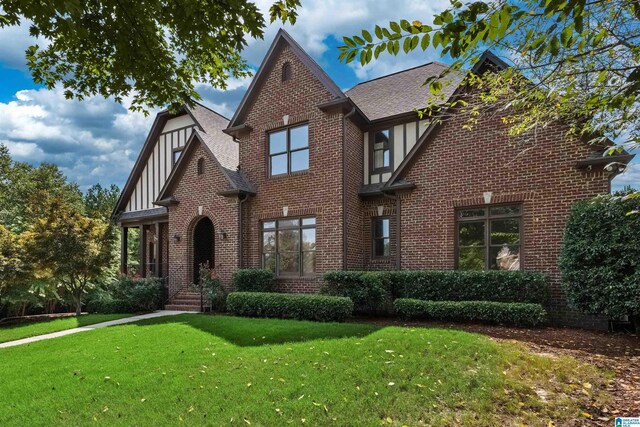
240 202
344 187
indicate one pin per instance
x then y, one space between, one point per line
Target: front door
203 246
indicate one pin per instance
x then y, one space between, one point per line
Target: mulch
619 352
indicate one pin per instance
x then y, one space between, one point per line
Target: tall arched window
287 72
200 166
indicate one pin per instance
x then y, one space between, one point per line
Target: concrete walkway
158 313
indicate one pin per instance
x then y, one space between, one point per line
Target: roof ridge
210 109
400 71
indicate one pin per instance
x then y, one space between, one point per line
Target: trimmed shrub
368 290
520 314
600 257
373 291
253 280
127 295
502 286
289 306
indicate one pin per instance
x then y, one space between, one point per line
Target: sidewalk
158 313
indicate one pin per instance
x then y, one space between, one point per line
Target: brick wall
458 166
316 192
194 191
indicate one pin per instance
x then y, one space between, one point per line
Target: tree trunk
78 301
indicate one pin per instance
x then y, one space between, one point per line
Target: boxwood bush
289 306
368 290
600 258
520 314
373 291
253 280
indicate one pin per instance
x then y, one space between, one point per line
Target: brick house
306 178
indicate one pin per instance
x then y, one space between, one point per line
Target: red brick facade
453 169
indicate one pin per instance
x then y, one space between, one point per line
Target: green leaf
378 32
367 36
406 46
554 46
358 40
348 42
435 87
395 27
405 25
425 42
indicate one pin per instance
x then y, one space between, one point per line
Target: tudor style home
306 178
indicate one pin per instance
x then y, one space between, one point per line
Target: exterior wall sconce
176 237
222 234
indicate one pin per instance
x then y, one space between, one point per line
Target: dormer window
287 72
381 144
200 166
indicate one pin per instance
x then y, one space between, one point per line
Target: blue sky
98 140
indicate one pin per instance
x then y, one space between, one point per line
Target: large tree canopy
573 60
153 52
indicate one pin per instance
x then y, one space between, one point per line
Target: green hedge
368 290
289 306
253 280
600 258
520 314
372 291
127 295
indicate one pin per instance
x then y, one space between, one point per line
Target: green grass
217 370
17 332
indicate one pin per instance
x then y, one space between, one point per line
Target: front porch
145 253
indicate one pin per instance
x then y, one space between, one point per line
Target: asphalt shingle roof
402 92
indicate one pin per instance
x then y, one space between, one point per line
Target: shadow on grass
251 332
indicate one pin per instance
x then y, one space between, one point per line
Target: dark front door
203 246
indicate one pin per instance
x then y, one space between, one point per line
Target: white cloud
14 41
630 177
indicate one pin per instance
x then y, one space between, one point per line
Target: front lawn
26 330
220 370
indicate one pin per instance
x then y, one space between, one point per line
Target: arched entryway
203 246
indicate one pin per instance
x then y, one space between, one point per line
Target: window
200 166
287 72
176 155
289 150
489 238
289 246
381 240
381 150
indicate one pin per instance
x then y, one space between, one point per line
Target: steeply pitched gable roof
223 152
281 39
209 123
401 92
487 60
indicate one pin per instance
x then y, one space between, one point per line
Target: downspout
398 231
344 187
241 200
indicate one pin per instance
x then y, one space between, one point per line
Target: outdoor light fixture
223 234
176 237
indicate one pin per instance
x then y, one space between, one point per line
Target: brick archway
202 245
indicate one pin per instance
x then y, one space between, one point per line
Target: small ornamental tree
13 269
600 259
69 248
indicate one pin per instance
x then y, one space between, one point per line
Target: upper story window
289 246
289 150
489 238
381 150
381 237
201 166
287 72
176 155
